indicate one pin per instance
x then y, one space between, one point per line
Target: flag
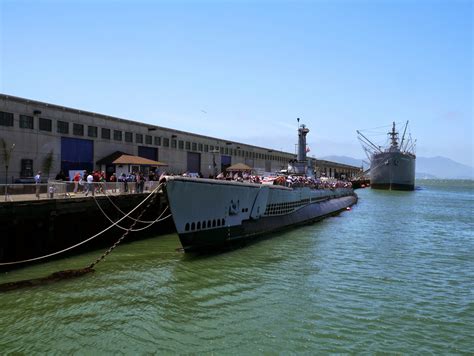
307 149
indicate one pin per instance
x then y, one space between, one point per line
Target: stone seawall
35 228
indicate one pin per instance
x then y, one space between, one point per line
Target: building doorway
226 162
194 162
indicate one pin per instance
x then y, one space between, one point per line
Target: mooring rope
135 220
116 207
85 241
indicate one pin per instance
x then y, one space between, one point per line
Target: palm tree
48 163
6 156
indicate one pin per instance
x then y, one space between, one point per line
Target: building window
211 148
194 146
117 135
78 129
226 151
6 119
26 168
157 141
188 145
181 145
105 133
166 142
128 137
200 147
206 148
173 143
26 122
138 138
63 127
148 139
45 124
92 131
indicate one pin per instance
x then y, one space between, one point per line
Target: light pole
214 165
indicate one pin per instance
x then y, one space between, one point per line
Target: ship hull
211 214
392 171
251 229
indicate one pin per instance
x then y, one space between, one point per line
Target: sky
245 70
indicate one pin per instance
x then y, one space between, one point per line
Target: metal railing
68 190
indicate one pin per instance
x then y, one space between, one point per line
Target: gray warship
210 214
392 168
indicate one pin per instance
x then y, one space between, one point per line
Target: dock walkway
65 190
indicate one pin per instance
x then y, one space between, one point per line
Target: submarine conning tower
300 166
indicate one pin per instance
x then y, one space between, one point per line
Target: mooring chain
110 249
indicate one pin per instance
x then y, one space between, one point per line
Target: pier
32 227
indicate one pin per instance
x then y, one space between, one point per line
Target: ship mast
393 137
403 137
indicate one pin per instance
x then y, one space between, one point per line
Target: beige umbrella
239 167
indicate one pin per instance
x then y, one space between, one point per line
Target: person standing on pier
76 179
90 184
38 182
113 180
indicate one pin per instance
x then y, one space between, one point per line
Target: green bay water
395 274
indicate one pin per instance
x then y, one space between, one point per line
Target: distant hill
443 167
426 167
356 162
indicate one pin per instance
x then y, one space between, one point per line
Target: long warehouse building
38 136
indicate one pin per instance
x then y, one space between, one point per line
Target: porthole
208 223
218 222
186 227
199 225
204 224
193 226
223 222
213 223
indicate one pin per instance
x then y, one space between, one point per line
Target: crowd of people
291 181
92 182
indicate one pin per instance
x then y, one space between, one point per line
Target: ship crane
369 147
403 137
